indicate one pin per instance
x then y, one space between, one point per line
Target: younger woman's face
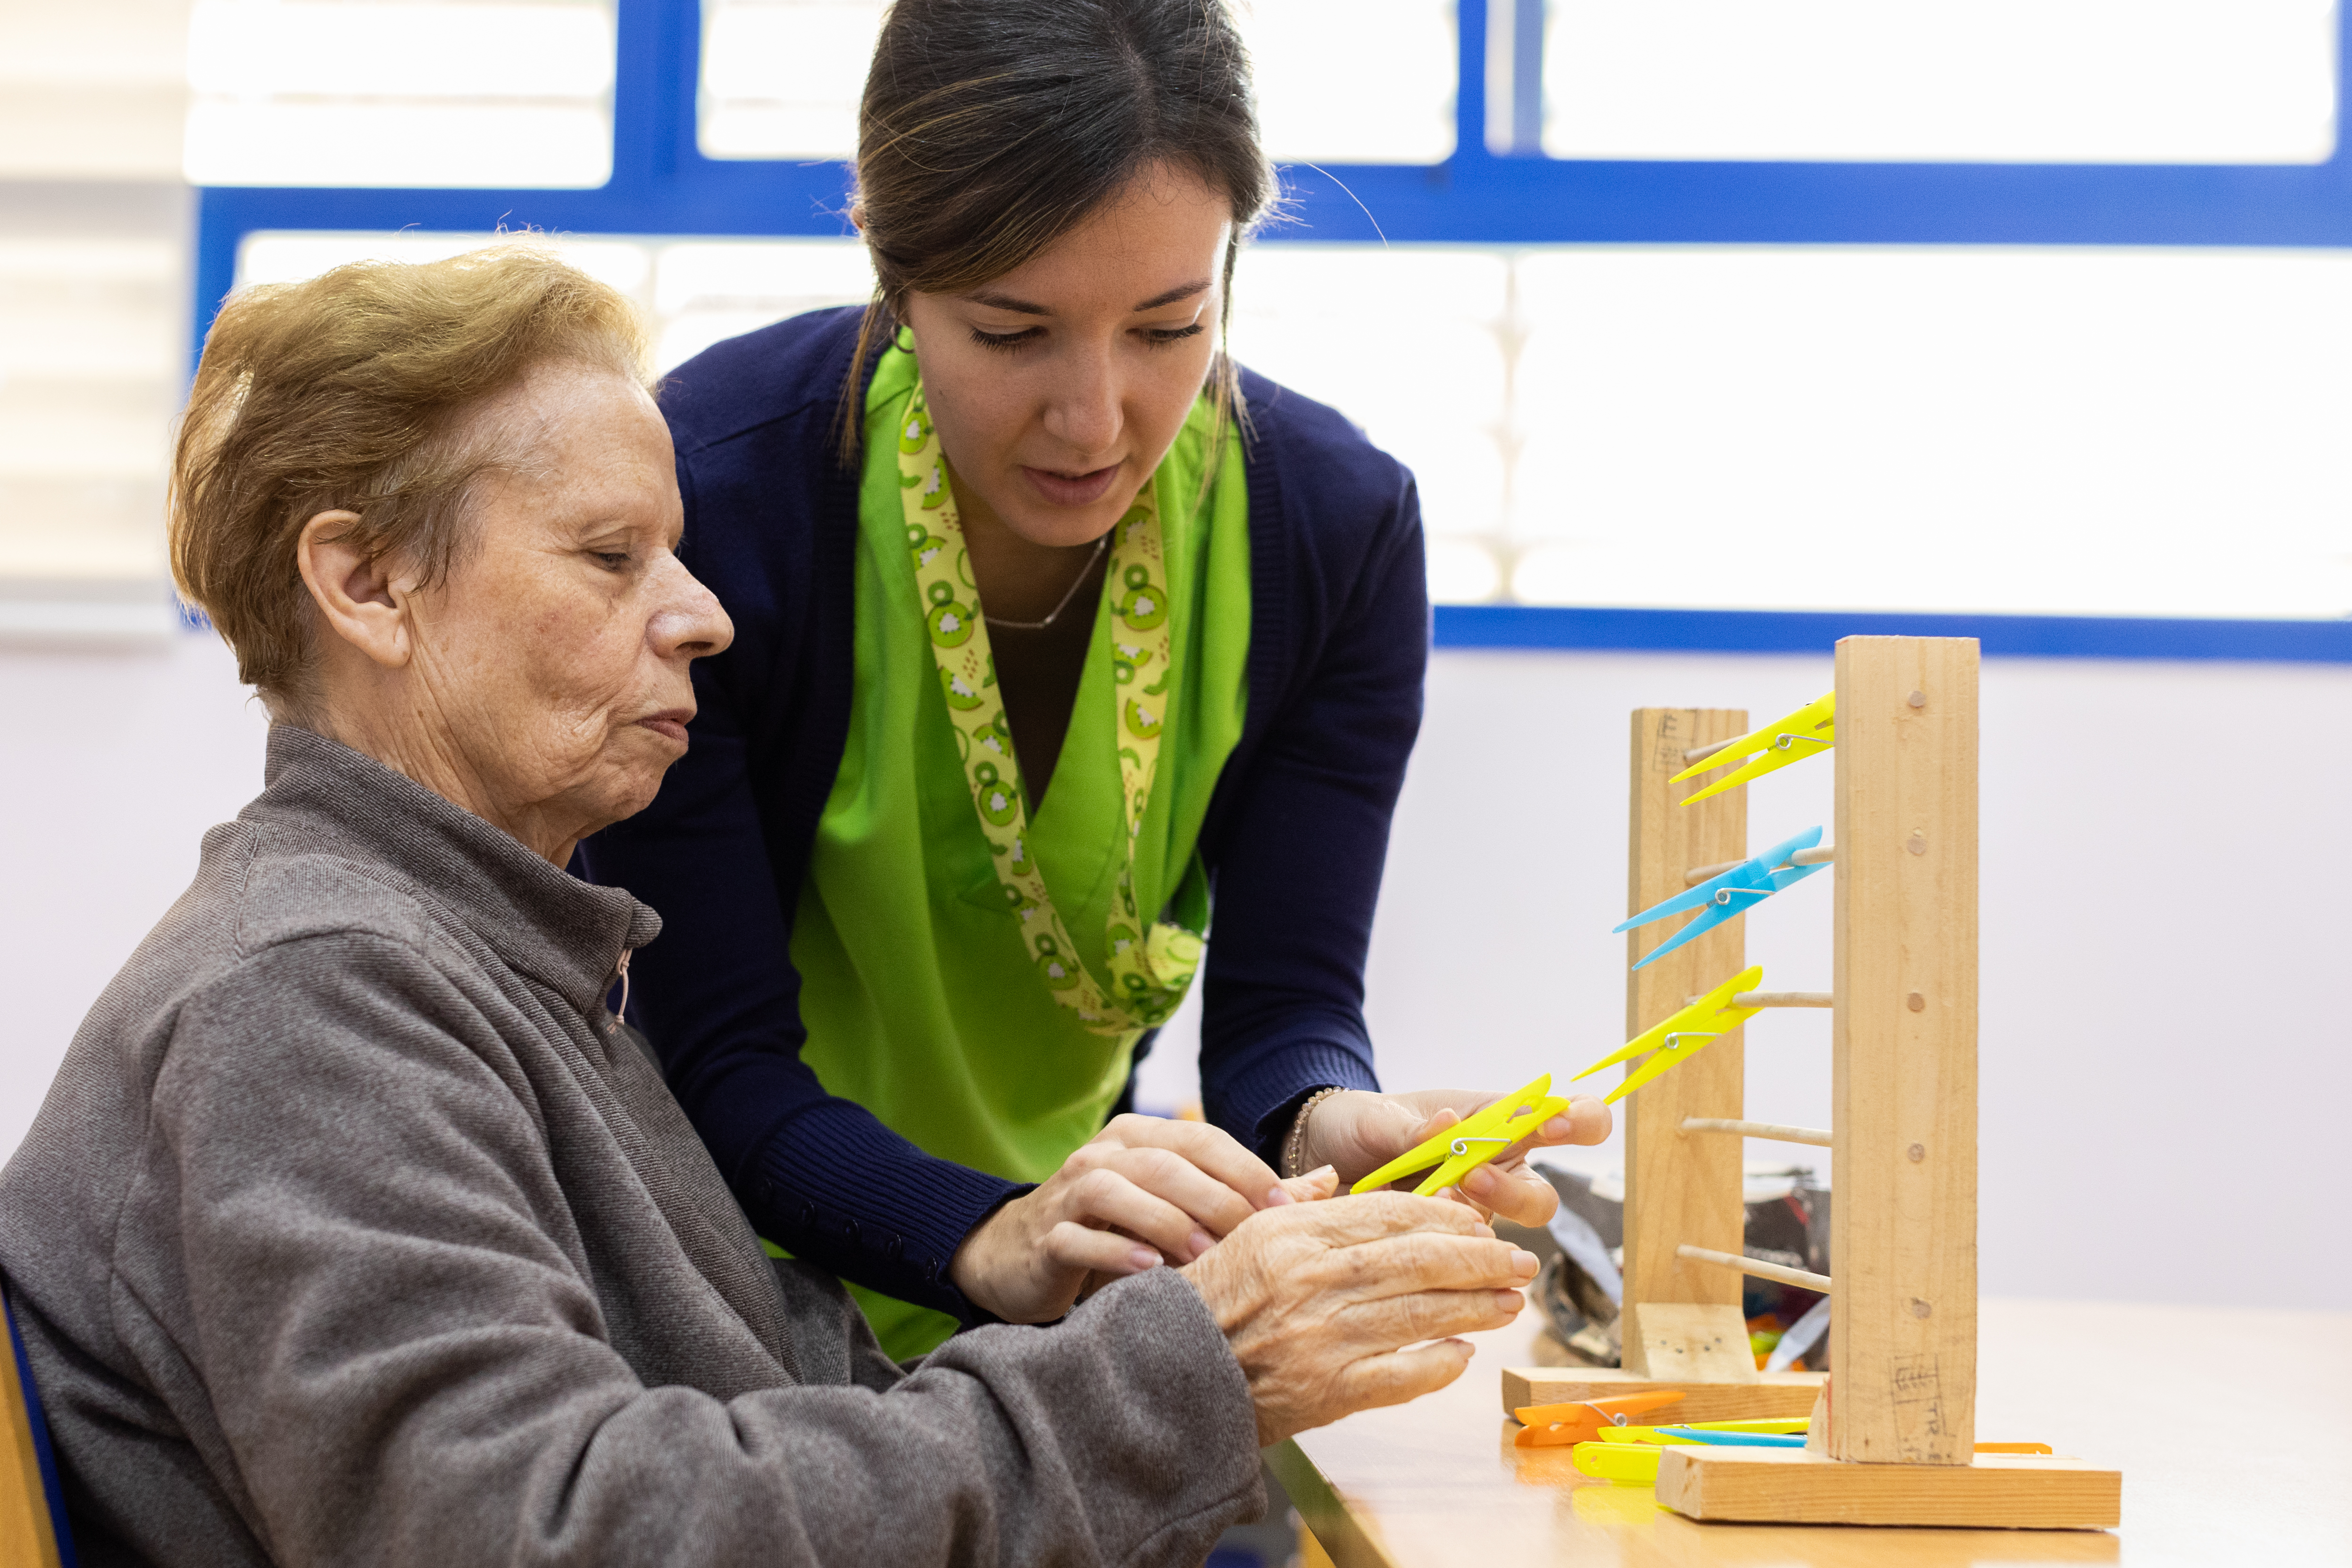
1057 388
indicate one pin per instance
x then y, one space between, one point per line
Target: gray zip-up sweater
353 1231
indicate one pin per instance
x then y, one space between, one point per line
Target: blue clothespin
1734 892
1734 1439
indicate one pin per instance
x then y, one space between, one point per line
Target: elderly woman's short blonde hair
350 393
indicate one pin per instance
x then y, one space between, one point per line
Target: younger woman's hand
1359 1132
1143 1191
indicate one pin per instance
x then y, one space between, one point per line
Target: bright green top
920 998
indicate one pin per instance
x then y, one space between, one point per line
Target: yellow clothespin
1656 1437
1622 1464
1472 1142
1808 733
1683 1036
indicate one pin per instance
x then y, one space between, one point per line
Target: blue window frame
662 184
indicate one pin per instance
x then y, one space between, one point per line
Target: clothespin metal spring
1461 1145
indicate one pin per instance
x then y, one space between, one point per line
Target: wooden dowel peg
1698 754
1824 856
1780 1133
1779 999
1762 1271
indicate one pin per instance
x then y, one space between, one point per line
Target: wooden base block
1772 1393
1688 1342
1790 1486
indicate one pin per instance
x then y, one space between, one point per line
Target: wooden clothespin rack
1896 1430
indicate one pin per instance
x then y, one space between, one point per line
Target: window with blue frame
1729 323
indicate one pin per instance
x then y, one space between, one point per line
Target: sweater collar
537 919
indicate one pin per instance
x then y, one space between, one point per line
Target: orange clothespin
1580 1421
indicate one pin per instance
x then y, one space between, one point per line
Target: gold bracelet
1294 1148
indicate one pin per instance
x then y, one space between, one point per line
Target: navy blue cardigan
1294 837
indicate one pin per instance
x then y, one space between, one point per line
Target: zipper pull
622 969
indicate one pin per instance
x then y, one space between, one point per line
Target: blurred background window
2098 430
1414 342
781 78
1746 427
400 92
1371 81
2054 431
2050 81
2034 431
694 292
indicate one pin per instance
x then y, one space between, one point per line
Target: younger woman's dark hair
992 128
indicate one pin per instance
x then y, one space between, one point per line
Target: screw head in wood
1918 700
1916 1003
1916 1152
1917 844
1920 1309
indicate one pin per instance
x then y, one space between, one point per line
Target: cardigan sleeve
1299 844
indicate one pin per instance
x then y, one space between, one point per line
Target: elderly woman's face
550 664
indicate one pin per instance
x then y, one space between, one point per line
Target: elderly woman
357 1228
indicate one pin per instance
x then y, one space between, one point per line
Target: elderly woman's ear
362 600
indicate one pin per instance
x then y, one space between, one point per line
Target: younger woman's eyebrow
1181 291
996 301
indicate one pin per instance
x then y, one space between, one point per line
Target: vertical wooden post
1679 1188
1902 1245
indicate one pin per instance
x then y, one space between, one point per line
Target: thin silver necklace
1084 573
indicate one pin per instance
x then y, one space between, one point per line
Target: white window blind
90 340
93 310
94 90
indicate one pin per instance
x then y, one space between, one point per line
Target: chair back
32 1509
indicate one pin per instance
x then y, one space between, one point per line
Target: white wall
2163 1068
112 769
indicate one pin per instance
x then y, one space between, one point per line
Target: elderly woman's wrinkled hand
1327 1306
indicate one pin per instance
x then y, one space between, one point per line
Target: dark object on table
1578 1288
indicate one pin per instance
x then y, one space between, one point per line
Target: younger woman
1055 631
